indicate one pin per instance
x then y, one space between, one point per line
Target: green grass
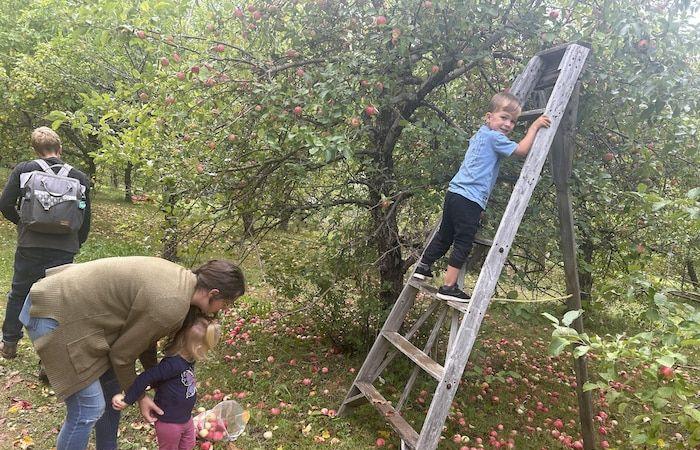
510 349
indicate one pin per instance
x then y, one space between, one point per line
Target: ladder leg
428 346
368 371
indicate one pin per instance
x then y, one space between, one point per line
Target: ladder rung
554 54
483 241
354 400
417 356
397 422
531 114
431 291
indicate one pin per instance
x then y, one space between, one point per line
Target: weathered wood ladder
557 68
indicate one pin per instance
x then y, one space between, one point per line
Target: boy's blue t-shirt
479 170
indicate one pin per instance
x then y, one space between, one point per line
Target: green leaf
693 193
660 402
551 318
659 205
667 361
581 350
557 346
570 316
692 412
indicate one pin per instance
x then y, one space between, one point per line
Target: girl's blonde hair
194 339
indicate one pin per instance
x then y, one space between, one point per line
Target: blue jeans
89 407
29 267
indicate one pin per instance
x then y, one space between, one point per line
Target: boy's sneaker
452 293
422 272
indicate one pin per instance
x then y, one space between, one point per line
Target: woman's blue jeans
89 408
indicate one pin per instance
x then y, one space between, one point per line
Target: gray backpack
53 203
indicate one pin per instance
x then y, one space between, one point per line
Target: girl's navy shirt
176 388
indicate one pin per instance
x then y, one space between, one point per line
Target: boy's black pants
460 221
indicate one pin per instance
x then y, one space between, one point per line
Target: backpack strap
64 170
44 166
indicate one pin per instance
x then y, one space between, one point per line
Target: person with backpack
49 201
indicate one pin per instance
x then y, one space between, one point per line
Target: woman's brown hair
222 275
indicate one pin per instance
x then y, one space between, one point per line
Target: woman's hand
118 402
149 410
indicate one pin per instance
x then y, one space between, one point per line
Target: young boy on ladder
470 188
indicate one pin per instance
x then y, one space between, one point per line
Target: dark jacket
9 206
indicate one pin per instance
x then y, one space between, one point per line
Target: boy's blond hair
45 140
504 101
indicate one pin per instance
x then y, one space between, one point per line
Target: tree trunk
691 272
386 230
127 181
170 226
585 277
389 250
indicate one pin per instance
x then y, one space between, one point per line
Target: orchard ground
292 381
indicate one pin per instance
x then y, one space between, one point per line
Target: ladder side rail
380 348
525 82
571 66
562 160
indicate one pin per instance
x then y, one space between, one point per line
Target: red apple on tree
180 76
380 20
666 372
355 122
297 110
164 62
232 137
554 14
238 12
176 57
143 97
141 34
609 156
194 69
371 110
220 48
435 69
300 72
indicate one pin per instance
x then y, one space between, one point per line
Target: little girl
174 382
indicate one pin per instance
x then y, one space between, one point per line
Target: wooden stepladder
557 68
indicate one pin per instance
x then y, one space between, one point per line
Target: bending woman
90 322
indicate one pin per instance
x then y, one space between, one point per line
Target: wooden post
562 157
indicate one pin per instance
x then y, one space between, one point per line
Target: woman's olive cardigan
108 312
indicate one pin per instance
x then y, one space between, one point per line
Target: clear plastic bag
224 422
